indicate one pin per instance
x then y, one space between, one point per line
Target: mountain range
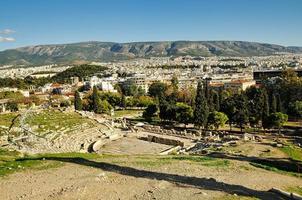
111 51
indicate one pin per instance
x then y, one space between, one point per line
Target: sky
33 22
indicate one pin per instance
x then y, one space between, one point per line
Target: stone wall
167 141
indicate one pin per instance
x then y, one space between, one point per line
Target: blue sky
65 21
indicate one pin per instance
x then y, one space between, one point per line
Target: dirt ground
132 174
131 145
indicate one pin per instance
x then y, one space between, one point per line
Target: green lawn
297 190
202 160
293 152
127 113
294 124
7 118
13 161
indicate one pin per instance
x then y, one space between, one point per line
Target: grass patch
7 119
123 113
293 152
202 160
297 190
293 124
13 161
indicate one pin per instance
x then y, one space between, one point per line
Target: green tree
278 119
201 111
123 101
150 112
103 106
140 91
174 83
129 88
210 99
184 113
228 107
279 103
167 110
157 90
295 109
12 106
265 110
241 113
95 100
273 104
217 119
77 101
216 100
255 104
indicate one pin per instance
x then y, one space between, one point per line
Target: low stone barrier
173 132
167 141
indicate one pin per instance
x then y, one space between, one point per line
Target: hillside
109 51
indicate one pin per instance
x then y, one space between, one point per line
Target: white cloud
7 31
7 39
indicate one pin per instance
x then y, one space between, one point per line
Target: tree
123 101
104 106
279 104
184 113
295 109
228 107
278 119
216 101
157 89
241 111
144 101
210 99
95 100
273 104
217 119
167 110
12 106
255 104
265 110
77 101
150 112
113 98
174 83
140 92
129 88
201 111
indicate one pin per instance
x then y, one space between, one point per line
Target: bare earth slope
144 177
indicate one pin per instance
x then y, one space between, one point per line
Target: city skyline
55 22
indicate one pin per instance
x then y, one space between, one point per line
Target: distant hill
110 51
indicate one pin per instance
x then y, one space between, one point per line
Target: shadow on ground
284 164
197 182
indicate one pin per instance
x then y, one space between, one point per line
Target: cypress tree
77 101
210 99
241 114
95 99
273 104
216 100
265 110
201 111
279 103
123 101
